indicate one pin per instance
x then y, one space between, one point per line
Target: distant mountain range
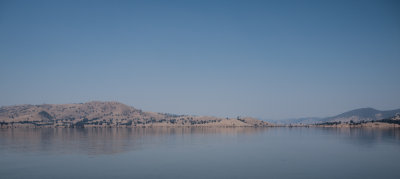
357 115
115 114
108 114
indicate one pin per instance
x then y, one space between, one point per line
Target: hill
362 114
357 115
107 114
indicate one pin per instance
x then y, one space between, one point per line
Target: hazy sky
267 59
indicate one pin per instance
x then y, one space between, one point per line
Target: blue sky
267 59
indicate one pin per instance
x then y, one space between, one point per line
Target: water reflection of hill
97 141
365 136
106 141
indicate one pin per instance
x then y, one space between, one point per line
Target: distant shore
369 124
343 125
111 114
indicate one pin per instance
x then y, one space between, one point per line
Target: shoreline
364 125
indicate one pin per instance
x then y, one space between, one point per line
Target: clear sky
266 59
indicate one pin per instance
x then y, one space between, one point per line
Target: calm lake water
200 153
